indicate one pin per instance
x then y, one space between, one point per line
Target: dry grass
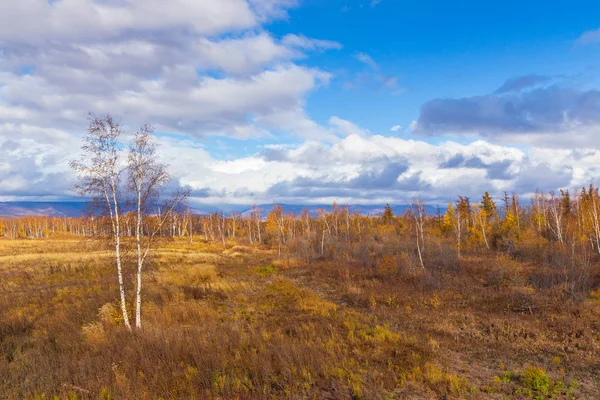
237 323
482 321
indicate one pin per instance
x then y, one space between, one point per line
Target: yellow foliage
318 306
433 344
109 314
434 302
372 302
387 264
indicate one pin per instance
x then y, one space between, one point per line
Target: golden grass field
236 322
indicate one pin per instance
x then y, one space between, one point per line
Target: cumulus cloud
241 56
543 177
34 161
540 111
196 67
374 168
40 21
35 22
355 168
500 170
179 102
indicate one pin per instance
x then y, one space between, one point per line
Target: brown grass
236 322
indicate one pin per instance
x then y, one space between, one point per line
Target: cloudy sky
308 101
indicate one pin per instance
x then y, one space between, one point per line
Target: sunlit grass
238 322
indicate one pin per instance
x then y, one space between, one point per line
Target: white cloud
396 128
589 37
368 60
346 128
356 167
202 67
518 113
268 9
303 42
35 161
214 106
295 120
34 22
375 169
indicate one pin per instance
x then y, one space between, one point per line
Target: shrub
536 379
265 272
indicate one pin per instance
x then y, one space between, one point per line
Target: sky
308 101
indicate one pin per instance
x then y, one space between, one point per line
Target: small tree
417 212
147 179
276 225
256 217
99 170
388 215
484 215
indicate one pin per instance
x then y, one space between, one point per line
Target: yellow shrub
536 379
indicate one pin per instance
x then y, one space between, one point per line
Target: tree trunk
140 260
117 234
419 247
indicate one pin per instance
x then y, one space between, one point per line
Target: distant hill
53 209
76 209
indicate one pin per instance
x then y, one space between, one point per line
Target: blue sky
440 49
307 101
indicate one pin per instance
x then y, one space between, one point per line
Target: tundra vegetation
481 301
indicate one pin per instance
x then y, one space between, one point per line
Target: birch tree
257 218
99 170
555 221
417 212
322 215
146 180
590 204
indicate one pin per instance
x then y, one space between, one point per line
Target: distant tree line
557 218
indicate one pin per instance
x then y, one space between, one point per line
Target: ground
241 322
